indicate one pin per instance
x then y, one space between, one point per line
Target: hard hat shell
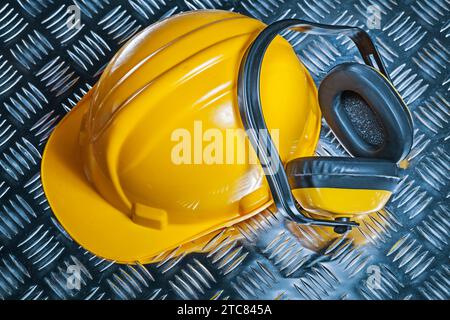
108 169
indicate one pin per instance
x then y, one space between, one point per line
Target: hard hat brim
94 223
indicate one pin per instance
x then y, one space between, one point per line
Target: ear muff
336 186
366 113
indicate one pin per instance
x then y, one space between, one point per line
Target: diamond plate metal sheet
46 67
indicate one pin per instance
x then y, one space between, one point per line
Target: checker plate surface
46 67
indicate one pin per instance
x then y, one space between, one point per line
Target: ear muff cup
342 186
384 102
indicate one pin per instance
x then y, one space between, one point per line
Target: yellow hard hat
108 169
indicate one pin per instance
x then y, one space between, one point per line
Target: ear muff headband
342 173
251 110
383 101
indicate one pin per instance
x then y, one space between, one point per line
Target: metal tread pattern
46 67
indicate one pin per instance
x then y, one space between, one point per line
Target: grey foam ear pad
366 113
362 118
339 172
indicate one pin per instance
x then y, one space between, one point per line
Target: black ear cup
342 173
342 187
366 113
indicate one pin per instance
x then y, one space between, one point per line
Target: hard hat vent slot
149 217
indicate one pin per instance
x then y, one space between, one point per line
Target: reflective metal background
45 68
